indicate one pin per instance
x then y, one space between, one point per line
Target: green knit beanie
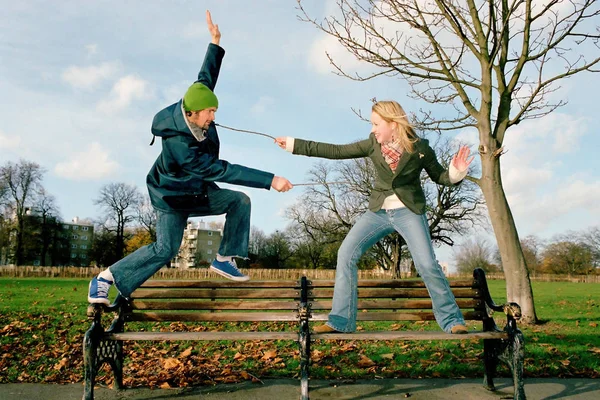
199 97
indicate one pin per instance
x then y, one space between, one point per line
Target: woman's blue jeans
368 230
132 271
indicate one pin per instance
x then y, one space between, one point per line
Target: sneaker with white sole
229 270
98 293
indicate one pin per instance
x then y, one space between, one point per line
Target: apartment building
80 234
199 245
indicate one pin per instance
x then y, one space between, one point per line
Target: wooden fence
256 274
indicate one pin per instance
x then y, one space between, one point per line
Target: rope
272 137
245 131
320 183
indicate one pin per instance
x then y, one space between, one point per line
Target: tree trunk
518 285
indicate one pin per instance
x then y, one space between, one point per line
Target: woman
397 203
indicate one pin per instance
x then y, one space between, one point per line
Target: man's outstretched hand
213 29
281 184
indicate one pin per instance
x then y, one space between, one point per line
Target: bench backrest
396 300
378 300
171 300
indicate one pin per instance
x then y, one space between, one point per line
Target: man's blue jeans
368 230
132 271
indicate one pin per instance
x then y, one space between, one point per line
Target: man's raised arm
214 55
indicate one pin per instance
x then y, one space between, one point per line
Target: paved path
284 389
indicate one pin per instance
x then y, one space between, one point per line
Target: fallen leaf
269 355
365 362
61 364
171 363
595 350
187 352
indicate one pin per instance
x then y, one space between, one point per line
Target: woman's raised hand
461 160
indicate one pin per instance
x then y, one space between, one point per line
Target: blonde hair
391 111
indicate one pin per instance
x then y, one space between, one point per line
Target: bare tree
532 248
146 216
494 62
475 253
257 241
591 238
20 183
5 227
119 202
47 212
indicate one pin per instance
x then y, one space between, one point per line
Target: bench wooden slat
282 293
409 335
286 305
200 284
203 336
398 316
214 305
213 317
393 293
390 283
393 304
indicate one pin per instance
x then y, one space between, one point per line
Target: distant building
80 234
199 245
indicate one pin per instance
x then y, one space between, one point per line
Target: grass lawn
42 322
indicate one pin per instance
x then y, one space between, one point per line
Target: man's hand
213 29
281 184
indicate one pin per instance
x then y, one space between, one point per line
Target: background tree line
571 253
31 227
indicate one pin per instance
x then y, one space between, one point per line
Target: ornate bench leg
513 354
491 348
116 363
515 358
90 346
98 350
304 365
304 337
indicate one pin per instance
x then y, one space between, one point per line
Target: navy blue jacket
186 166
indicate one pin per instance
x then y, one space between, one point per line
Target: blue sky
81 81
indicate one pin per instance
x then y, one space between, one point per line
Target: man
181 183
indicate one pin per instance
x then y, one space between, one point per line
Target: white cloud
534 174
262 105
577 200
126 90
94 163
89 77
9 142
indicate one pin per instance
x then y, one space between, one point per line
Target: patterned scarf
391 152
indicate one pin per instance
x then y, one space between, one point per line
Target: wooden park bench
299 303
